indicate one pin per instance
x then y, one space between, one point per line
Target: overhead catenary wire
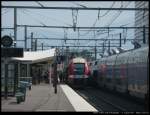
49 31
74 8
98 19
34 18
93 24
106 11
56 20
117 15
74 18
80 5
39 3
6 11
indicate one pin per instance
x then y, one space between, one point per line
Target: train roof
78 60
127 52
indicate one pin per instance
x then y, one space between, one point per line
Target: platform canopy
36 56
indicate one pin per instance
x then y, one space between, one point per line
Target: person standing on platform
55 82
50 75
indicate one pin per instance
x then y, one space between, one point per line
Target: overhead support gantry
74 8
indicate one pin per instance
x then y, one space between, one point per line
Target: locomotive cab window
79 68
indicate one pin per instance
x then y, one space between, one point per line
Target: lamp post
6 41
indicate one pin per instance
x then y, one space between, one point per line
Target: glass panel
23 70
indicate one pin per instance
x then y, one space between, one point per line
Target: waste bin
21 93
19 97
22 89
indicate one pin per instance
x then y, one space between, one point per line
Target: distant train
126 72
78 72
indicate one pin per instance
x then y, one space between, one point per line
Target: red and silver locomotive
78 72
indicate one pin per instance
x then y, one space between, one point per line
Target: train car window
111 60
130 59
79 68
140 56
118 60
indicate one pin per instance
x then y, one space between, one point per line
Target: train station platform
42 98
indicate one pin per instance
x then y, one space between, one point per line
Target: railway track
107 102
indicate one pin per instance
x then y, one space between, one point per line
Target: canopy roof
36 56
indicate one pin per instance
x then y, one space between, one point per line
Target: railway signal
6 41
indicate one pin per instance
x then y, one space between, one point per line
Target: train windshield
79 68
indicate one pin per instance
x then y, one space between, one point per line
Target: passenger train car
78 72
126 72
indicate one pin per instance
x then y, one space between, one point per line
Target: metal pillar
144 39
15 26
95 46
103 47
120 39
35 44
42 46
95 53
28 70
15 78
109 47
6 78
31 41
25 31
18 74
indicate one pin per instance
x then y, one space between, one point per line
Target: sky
64 18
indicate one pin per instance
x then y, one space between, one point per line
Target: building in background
141 19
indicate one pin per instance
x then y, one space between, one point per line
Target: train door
137 73
109 74
102 73
121 72
132 72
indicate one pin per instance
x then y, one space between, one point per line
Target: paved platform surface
40 98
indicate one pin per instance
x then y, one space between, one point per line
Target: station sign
11 52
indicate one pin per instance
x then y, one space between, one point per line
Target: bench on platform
21 91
